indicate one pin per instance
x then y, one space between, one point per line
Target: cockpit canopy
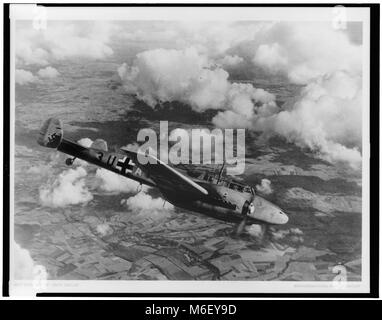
224 181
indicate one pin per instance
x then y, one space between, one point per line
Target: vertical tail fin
51 133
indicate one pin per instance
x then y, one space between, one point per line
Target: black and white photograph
189 149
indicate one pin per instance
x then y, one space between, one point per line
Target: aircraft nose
284 217
264 210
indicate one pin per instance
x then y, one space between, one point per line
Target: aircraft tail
51 133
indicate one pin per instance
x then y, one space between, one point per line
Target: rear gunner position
209 194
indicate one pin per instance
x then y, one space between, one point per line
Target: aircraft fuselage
227 205
220 198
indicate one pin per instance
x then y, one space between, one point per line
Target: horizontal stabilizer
51 133
99 144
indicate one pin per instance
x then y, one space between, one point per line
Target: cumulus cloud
325 117
24 77
174 75
85 142
154 32
217 38
294 235
144 203
62 40
264 187
229 61
208 37
300 50
132 146
296 231
255 230
245 104
271 57
231 119
187 76
305 51
48 73
279 234
104 229
67 189
24 266
112 182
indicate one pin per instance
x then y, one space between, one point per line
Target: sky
193 63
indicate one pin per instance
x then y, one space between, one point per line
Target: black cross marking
125 165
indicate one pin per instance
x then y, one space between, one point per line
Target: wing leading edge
165 175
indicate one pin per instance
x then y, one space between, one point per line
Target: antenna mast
221 171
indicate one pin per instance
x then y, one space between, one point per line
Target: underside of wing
166 176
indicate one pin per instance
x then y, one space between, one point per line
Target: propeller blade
241 225
265 232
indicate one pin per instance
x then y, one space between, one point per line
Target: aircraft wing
166 176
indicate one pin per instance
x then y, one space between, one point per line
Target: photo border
374 154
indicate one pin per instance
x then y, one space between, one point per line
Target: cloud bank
24 266
62 40
325 116
187 76
305 51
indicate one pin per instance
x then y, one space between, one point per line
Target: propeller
247 209
265 232
241 225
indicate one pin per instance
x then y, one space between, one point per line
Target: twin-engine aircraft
210 194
